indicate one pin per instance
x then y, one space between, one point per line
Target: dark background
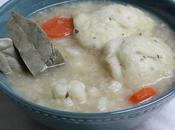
12 118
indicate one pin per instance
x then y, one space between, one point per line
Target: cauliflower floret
141 60
94 29
102 104
74 90
68 102
115 86
94 92
59 91
77 91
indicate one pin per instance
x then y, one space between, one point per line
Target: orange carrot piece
58 27
143 94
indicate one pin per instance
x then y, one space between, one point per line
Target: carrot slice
58 27
143 94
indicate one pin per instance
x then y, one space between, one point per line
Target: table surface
12 118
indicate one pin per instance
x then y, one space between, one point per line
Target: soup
116 56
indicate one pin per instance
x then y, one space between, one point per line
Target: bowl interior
27 7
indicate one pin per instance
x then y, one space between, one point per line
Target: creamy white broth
84 66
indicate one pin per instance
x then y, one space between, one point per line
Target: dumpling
133 19
8 57
110 57
139 60
94 29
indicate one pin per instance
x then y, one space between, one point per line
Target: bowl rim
5 87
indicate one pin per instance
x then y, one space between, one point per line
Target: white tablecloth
2 2
12 118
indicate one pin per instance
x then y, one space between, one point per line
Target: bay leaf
33 45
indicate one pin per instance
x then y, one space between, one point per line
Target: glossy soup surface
84 84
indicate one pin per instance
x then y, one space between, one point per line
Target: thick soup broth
87 82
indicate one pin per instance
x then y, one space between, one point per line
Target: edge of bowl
5 87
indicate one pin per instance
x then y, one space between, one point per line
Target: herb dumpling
134 19
94 29
138 60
